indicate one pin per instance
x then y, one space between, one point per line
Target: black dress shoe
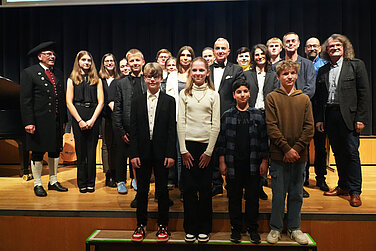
305 193
58 187
217 190
83 190
322 185
110 182
39 191
90 189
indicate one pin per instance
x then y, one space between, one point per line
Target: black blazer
271 83
164 132
230 75
353 92
37 100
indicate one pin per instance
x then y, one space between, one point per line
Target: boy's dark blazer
163 144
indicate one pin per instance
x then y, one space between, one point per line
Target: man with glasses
43 111
312 50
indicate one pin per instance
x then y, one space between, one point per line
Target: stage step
119 240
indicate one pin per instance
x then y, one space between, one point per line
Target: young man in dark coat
43 111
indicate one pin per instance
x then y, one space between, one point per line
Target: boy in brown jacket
290 128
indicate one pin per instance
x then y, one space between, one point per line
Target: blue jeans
286 178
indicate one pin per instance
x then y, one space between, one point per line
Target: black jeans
86 145
235 186
122 154
345 145
197 193
143 183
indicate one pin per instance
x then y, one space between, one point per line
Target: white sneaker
203 237
190 238
273 237
298 236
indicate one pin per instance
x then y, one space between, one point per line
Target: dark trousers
235 186
85 145
143 183
38 156
217 179
197 193
319 140
122 154
345 144
108 147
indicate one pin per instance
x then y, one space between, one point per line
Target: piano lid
9 94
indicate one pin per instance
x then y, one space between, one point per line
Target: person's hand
136 162
204 160
83 125
291 156
264 167
359 126
30 129
169 162
223 168
126 138
90 123
187 160
320 126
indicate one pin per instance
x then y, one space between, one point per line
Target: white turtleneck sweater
199 117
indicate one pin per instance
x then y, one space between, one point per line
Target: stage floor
17 197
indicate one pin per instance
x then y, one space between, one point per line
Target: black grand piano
10 122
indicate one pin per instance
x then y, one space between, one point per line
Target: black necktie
217 65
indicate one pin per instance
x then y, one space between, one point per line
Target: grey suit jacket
353 92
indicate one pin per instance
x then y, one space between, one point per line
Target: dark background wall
117 28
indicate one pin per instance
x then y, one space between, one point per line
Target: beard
312 55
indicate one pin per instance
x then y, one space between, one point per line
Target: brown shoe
336 192
355 200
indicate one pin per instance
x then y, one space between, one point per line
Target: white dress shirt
152 101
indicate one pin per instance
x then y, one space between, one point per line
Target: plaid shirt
258 140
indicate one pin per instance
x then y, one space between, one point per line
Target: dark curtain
118 28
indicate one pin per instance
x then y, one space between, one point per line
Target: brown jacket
289 123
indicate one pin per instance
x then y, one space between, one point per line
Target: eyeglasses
151 76
48 54
314 46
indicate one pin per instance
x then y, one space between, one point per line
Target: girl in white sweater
198 128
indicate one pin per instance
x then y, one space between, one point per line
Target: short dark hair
154 69
238 83
242 50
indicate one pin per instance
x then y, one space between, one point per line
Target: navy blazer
271 83
353 92
163 144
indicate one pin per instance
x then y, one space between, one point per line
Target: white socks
36 168
52 166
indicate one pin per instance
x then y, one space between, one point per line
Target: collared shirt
217 75
152 100
317 63
260 96
334 72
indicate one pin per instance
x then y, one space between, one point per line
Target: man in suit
312 50
153 137
223 74
342 99
127 88
44 115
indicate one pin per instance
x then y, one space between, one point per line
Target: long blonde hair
190 82
103 72
76 74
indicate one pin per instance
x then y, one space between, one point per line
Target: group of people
192 120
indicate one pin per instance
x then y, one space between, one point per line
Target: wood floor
15 193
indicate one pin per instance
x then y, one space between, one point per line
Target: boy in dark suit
153 137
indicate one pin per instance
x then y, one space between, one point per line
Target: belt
85 104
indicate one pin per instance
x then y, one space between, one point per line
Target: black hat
45 46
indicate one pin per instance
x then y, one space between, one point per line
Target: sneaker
305 194
254 236
163 234
203 238
122 189
134 184
273 237
298 236
138 234
190 238
235 235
